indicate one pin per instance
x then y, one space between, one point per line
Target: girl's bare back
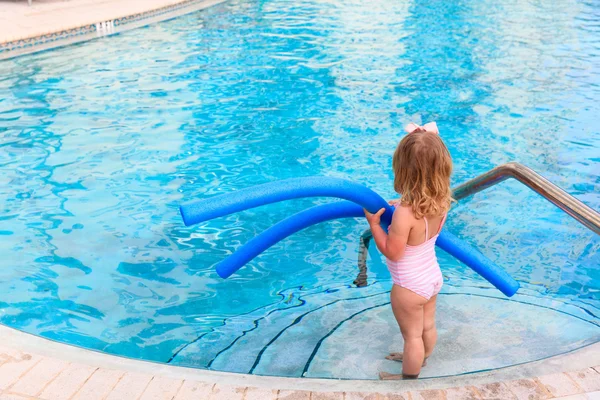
417 233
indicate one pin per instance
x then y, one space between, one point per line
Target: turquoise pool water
100 143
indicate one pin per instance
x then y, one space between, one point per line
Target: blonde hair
422 168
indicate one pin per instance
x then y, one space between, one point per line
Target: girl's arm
392 244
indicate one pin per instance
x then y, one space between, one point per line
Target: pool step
345 333
238 344
289 351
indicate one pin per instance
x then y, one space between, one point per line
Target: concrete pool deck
53 23
32 367
20 21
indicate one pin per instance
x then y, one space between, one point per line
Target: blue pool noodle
285 228
345 209
287 189
479 263
244 199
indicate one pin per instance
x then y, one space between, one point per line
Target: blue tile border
102 28
53 37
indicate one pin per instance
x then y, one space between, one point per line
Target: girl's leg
429 332
429 328
408 309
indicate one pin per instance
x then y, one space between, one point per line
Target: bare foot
399 357
395 357
386 376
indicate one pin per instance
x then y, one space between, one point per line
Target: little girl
422 168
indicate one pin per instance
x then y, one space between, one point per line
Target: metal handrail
587 216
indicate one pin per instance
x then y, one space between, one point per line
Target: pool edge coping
581 359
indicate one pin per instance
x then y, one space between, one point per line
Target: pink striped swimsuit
418 269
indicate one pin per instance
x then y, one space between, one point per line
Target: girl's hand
374 219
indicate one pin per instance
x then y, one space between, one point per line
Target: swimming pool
101 142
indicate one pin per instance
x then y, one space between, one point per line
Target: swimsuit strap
426 229
442 223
